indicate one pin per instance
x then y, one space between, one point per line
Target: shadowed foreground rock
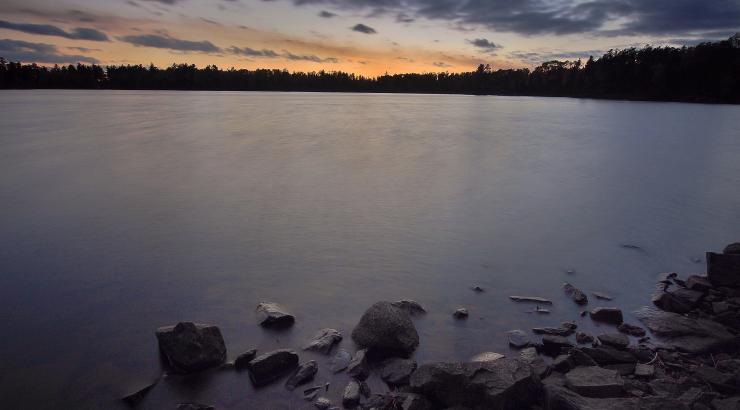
501 384
684 333
386 330
270 366
190 347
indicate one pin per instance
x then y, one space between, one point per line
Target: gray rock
685 334
723 269
530 356
624 369
242 361
595 382
562 363
606 355
569 325
340 361
730 403
324 340
411 307
189 347
304 374
671 303
616 340
351 395
133 399
534 299
270 366
357 367
602 296
583 338
576 294
644 370
501 384
386 330
487 357
273 315
518 338
552 345
461 313
698 283
579 358
561 398
729 318
631 330
607 315
556 331
396 372
722 382
322 403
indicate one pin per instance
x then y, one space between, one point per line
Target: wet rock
322 403
670 303
242 361
311 393
461 313
270 366
562 363
194 406
486 357
576 294
273 315
340 361
501 384
602 296
569 325
644 370
616 340
411 307
304 374
396 372
606 355
530 356
535 299
357 367
324 340
351 395
595 382
386 330
518 338
556 331
583 338
133 399
631 330
607 315
189 347
723 269
552 345
685 334
698 283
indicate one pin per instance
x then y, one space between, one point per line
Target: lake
123 211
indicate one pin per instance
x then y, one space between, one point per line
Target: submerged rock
535 299
411 307
602 296
270 366
396 372
194 406
273 315
486 357
304 374
386 330
686 334
552 345
576 294
518 338
607 315
190 347
324 340
557 331
242 361
133 399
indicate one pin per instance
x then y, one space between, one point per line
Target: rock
644 370
576 294
242 361
535 299
364 388
556 331
487 357
562 363
322 403
730 319
720 307
606 355
602 296
607 315
595 382
579 358
561 398
340 361
324 340
518 338
569 325
311 393
351 395
273 315
357 367
624 369
730 403
732 249
631 330
396 372
529 355
270 366
722 382
698 283
723 269
552 345
583 338
670 303
194 406
386 330
304 374
686 334
133 399
189 347
461 313
501 384
411 307
478 289
616 340
411 401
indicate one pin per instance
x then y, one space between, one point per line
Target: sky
368 37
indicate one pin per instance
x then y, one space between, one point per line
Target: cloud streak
79 33
24 51
171 43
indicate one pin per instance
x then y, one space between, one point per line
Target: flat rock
595 381
534 299
518 338
685 334
324 340
487 357
605 355
576 294
396 372
304 374
411 307
351 394
340 361
133 399
602 296
273 315
552 345
579 358
562 363
189 347
386 330
730 403
561 398
501 384
357 367
644 370
607 315
242 361
617 340
723 269
556 331
270 366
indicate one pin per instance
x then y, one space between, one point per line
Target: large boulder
501 384
273 315
189 347
270 366
686 334
594 381
723 269
386 330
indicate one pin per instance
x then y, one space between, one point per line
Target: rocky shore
683 354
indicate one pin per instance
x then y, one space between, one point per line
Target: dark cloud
24 51
250 52
484 44
312 58
266 53
539 57
361 28
165 41
404 18
327 14
79 33
441 64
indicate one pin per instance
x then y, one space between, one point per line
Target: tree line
708 72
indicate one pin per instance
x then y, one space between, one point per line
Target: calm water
125 211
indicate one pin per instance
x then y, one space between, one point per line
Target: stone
273 315
478 289
595 381
518 338
324 340
351 395
357 367
685 334
607 315
624 369
729 318
562 363
602 296
723 269
698 283
311 393
583 338
605 355
631 330
411 401
730 403
569 325
644 370
411 307
720 307
576 294
133 399
386 330
530 356
304 374
561 398
487 357
340 361
732 249
242 361
722 382
396 372
194 406
461 313
322 403
501 384
670 303
552 345
535 299
616 340
188 347
557 331
579 358
270 366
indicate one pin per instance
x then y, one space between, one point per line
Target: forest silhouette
708 72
